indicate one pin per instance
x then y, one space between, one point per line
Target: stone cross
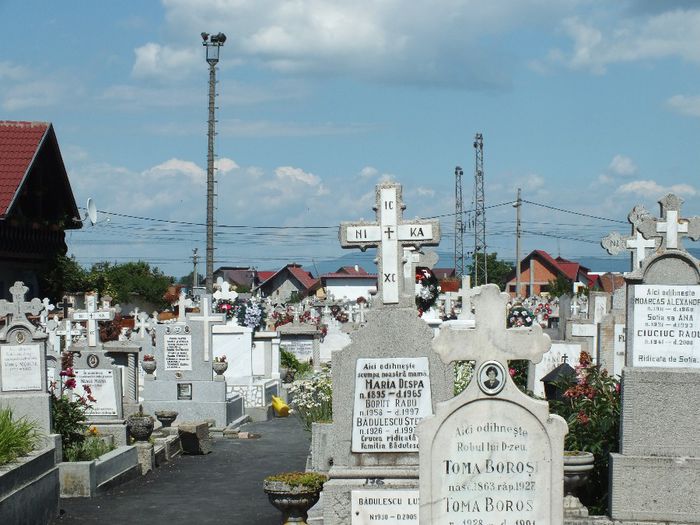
207 318
66 330
670 227
389 234
224 292
46 311
182 308
91 315
106 302
466 292
65 305
19 308
141 324
635 243
490 340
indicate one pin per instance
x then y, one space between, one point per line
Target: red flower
71 383
617 388
582 418
87 389
585 358
512 372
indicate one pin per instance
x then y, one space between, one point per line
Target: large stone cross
466 293
19 308
615 243
207 318
141 324
91 315
670 227
389 233
490 340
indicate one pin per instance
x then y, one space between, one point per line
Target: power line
574 212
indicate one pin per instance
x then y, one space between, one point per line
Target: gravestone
23 383
585 329
184 378
384 382
491 455
559 352
655 475
303 340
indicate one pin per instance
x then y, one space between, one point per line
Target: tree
121 281
63 274
186 280
498 270
560 286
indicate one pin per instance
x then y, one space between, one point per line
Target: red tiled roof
265 275
339 275
352 270
19 142
570 269
304 277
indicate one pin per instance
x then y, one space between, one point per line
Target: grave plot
491 455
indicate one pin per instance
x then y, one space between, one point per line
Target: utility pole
195 277
481 275
459 224
518 204
212 45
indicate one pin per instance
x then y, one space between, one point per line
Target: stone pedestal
146 455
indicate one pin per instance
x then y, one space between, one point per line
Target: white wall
350 288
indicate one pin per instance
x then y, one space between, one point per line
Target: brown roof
349 272
19 143
305 278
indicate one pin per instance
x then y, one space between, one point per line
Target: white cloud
530 182
174 169
289 173
156 60
224 165
674 33
425 192
10 71
650 188
685 105
369 172
622 165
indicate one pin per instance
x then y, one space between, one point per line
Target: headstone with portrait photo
23 379
654 477
384 382
492 454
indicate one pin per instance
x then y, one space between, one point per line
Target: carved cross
19 308
490 340
466 292
65 305
182 308
207 318
670 227
224 292
141 324
615 243
91 315
46 310
67 331
389 234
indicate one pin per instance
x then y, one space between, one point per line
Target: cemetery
318 345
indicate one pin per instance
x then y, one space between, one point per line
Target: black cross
388 232
65 305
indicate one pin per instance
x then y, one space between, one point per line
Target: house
285 284
243 277
36 203
539 268
607 281
350 282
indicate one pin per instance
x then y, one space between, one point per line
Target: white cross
91 315
19 307
637 244
672 227
466 292
182 308
207 319
47 309
387 233
66 331
224 292
141 324
490 339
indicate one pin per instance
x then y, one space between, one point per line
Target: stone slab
655 488
146 457
33 406
195 438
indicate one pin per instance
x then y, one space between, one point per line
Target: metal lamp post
213 45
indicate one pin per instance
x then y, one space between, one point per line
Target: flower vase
166 417
294 502
140 426
577 467
219 367
148 366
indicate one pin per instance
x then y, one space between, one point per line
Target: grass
91 448
18 437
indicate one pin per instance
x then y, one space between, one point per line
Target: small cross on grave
65 305
670 227
142 323
490 340
91 315
635 243
389 233
224 291
466 293
47 308
182 308
67 331
19 308
207 318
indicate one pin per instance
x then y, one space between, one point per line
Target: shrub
312 398
311 480
463 372
92 447
289 360
18 437
591 407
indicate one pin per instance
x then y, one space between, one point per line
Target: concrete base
194 438
29 489
166 448
115 428
35 407
146 457
85 479
647 488
259 414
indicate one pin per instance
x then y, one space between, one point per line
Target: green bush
312 398
311 480
289 360
92 447
18 437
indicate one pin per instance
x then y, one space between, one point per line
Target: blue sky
588 106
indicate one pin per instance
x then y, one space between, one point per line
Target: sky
588 106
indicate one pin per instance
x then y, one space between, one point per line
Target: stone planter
293 502
577 467
166 417
219 367
148 366
140 427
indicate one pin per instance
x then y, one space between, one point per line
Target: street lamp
212 44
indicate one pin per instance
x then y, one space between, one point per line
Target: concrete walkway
224 487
